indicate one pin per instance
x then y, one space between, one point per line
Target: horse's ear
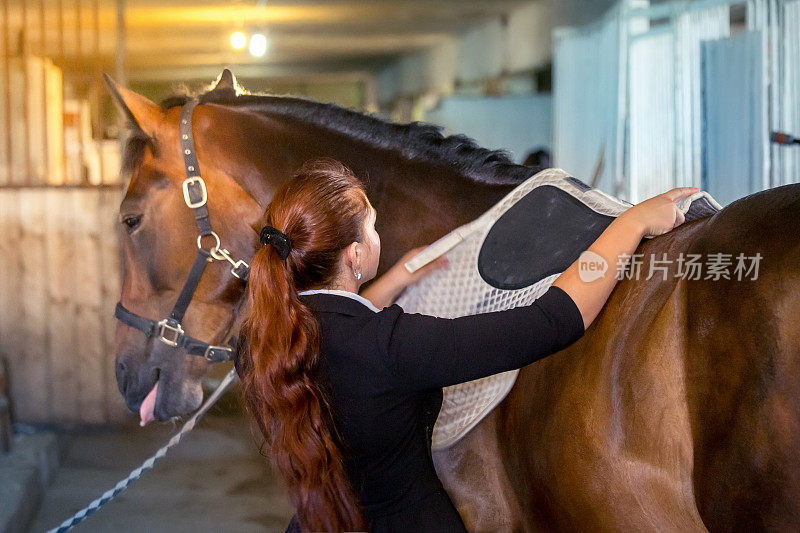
140 112
226 82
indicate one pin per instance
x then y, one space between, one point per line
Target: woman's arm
384 290
426 352
655 216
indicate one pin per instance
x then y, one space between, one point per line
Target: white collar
348 294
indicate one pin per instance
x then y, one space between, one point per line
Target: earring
357 275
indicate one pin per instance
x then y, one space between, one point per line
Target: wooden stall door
59 281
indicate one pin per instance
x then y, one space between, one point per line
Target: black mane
415 141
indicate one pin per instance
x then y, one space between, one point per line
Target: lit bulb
258 44
238 40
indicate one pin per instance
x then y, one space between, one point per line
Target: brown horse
674 412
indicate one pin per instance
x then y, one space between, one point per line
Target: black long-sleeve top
383 372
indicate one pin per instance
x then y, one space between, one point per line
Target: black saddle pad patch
540 235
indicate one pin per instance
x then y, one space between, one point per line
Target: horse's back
597 436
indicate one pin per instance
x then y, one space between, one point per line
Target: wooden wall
59 282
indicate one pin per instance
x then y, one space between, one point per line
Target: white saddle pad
461 290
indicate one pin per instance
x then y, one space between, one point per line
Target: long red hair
322 209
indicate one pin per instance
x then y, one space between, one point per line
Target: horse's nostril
122 377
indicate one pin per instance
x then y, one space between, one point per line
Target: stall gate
680 93
59 283
59 199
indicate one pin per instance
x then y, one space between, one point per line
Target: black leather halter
169 330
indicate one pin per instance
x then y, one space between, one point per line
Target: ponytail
279 359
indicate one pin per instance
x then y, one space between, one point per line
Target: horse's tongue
148 406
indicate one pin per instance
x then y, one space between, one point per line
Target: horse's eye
131 222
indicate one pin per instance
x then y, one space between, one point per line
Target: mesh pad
507 257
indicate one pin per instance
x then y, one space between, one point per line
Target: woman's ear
361 254
351 255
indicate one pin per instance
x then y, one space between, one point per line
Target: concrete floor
214 480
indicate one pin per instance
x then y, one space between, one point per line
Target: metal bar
122 45
78 46
46 178
621 168
97 88
80 88
7 80
60 23
120 69
42 55
26 91
63 172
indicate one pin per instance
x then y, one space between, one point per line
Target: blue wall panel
514 123
734 129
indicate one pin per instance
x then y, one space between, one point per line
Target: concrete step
25 473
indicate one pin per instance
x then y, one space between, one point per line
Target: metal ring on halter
214 250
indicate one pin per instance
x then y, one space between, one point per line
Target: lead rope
110 494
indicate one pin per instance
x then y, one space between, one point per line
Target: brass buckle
186 198
239 268
170 332
211 348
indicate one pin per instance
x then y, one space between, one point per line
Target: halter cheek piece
169 330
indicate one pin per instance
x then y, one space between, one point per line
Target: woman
346 387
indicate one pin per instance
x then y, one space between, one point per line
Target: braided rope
110 494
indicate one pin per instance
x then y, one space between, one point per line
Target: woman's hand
615 246
384 290
402 275
660 213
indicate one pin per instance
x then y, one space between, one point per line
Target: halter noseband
169 330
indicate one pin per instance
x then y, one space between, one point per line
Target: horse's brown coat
597 436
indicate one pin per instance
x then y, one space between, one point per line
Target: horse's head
160 243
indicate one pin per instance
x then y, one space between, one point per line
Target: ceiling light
258 44
238 40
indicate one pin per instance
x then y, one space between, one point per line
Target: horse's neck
417 201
